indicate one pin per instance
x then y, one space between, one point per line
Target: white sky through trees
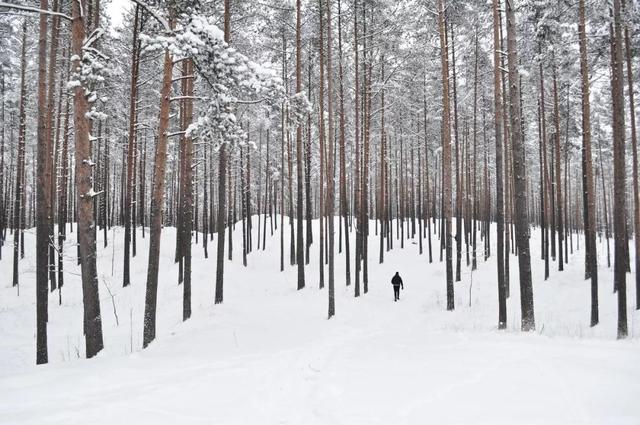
116 10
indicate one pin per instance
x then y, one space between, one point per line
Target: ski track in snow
268 355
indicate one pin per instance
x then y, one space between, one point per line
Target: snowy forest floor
268 355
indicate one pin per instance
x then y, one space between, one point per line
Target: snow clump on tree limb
232 79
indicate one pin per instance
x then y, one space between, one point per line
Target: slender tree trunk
383 223
634 151
222 174
497 84
63 199
459 188
446 152
3 189
321 192
619 184
474 262
356 182
18 203
205 204
364 207
51 86
42 193
187 197
589 206
307 173
548 198
558 175
330 169
126 276
299 158
344 202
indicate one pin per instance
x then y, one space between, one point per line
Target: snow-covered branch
34 9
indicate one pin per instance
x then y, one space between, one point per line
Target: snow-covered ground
268 355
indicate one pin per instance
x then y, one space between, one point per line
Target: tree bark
157 203
126 275
43 194
619 176
497 99
222 175
589 206
86 223
330 169
446 153
520 184
299 159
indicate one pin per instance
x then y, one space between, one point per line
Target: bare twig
113 301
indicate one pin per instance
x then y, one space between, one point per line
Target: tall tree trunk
356 182
459 186
330 169
546 185
321 192
344 202
382 202
222 174
3 189
497 99
589 205
126 275
634 151
63 199
558 174
18 204
51 170
187 196
446 152
520 184
85 195
42 193
366 127
619 176
299 158
307 172
157 203
474 262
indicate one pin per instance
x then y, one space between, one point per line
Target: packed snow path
268 355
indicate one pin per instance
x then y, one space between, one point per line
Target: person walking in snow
396 281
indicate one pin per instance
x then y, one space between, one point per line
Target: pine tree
519 171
